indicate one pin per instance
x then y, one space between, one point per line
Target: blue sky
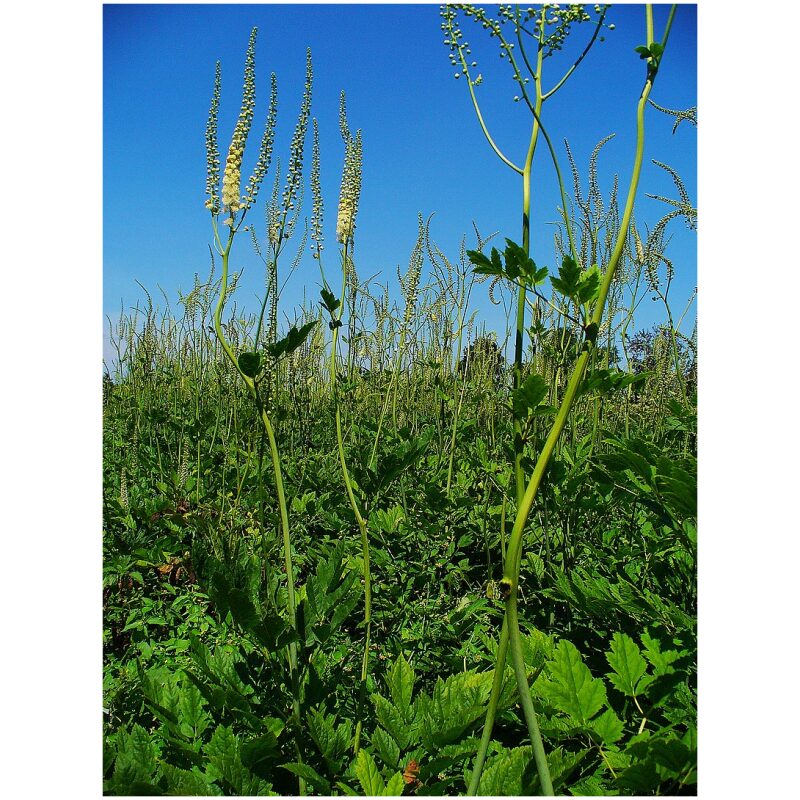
424 151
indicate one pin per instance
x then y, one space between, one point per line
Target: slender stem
512 565
362 524
276 466
491 712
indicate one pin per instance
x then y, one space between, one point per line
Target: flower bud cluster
265 150
295 172
273 214
351 179
212 147
124 500
232 176
317 206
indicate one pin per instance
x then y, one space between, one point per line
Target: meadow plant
255 367
578 283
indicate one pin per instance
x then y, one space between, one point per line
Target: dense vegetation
308 533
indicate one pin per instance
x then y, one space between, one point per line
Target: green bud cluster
317 206
295 171
265 150
212 147
273 213
124 500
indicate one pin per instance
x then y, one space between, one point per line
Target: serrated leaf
392 720
187 783
589 285
395 785
386 747
570 686
569 275
661 660
329 302
502 776
293 339
400 680
367 774
608 727
135 761
627 662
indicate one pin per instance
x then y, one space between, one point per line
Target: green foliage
570 686
514 264
293 339
216 684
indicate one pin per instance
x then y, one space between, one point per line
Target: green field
382 548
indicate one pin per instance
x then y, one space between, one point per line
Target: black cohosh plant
581 285
229 204
334 306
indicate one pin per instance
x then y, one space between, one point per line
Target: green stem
276 466
362 523
510 580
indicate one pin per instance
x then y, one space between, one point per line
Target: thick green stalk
519 334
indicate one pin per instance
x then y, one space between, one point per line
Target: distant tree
484 359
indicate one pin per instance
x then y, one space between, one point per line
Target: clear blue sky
423 148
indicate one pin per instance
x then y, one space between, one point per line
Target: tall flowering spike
265 150
273 213
316 195
351 180
411 282
343 117
295 171
212 146
232 177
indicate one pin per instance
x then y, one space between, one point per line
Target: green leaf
259 754
502 776
570 686
249 363
186 782
529 395
589 285
310 775
367 773
400 680
608 727
329 302
395 785
392 720
656 49
291 341
568 280
627 662
386 747
484 266
332 741
661 660
135 762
